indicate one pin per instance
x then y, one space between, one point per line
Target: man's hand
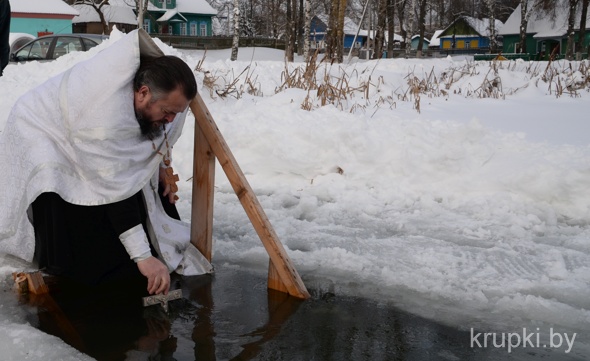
167 192
157 275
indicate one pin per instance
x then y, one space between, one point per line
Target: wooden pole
203 190
283 273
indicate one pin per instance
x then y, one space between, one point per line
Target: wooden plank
274 279
203 191
287 273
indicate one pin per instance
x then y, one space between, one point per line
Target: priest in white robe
85 154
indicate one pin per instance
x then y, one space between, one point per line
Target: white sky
474 212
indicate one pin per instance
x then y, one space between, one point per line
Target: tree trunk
582 32
422 26
236 40
401 14
340 32
289 33
390 27
380 33
571 24
335 36
307 30
524 16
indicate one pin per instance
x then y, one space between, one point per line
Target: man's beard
149 128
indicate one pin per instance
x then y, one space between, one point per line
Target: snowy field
469 206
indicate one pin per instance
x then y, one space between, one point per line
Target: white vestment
77 135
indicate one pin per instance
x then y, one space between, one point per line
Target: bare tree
236 39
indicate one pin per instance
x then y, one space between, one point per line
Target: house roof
481 26
201 7
54 7
418 37
435 41
350 27
119 11
172 16
542 24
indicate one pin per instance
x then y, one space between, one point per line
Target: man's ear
143 93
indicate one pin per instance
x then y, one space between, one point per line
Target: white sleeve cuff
136 243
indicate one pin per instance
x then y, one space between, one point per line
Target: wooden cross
162 299
170 179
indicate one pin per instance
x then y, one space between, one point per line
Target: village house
41 17
546 34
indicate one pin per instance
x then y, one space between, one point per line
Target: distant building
468 33
119 13
435 41
43 17
179 17
319 32
416 41
544 33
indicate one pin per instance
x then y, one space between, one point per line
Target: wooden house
119 13
180 17
546 33
318 33
41 17
416 40
468 33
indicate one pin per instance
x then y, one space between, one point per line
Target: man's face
152 114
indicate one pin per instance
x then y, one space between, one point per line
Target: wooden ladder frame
209 144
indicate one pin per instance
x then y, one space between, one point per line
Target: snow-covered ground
473 211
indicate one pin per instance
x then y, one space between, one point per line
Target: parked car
17 40
51 47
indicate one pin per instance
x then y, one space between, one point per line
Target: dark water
232 316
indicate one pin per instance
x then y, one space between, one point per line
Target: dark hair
164 74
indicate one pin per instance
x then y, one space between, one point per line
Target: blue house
318 33
416 41
468 33
180 17
41 17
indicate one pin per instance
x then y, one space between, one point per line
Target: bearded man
87 152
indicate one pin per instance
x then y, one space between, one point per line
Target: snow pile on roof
482 26
195 7
435 41
118 11
42 7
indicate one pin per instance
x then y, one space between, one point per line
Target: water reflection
232 316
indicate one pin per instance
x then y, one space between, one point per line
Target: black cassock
82 242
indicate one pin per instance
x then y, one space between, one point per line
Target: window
203 29
66 45
193 29
183 29
170 30
146 25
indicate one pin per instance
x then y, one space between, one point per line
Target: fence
216 42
